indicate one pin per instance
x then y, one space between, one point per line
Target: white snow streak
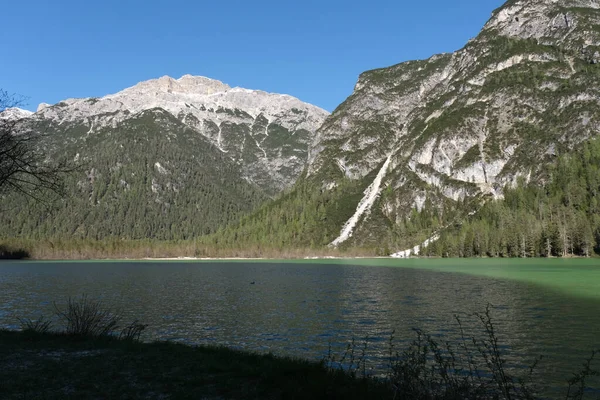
417 249
160 168
258 144
365 205
261 149
219 140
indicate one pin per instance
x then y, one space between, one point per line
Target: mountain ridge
197 89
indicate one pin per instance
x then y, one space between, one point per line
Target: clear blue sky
313 50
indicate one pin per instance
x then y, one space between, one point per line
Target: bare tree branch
23 165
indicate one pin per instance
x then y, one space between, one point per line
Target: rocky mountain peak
187 84
14 113
42 106
189 94
549 21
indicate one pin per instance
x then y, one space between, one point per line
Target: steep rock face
266 134
463 125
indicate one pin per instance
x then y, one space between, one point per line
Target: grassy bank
50 365
57 366
117 249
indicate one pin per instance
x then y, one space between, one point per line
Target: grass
57 366
473 367
50 365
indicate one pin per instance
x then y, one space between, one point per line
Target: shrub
132 331
86 317
474 367
9 253
40 325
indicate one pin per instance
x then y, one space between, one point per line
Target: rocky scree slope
422 144
165 159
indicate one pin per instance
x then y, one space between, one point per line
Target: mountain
422 145
166 159
266 134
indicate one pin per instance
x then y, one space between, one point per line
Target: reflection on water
298 309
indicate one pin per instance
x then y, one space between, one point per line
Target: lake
300 308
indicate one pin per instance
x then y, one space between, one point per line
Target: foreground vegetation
57 366
94 356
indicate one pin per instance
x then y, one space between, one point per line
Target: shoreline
46 250
308 258
305 258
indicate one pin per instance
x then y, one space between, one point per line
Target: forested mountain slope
165 159
147 177
558 218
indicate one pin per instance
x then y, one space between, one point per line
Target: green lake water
300 308
573 277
